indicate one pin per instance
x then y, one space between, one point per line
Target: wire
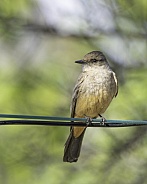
19 116
64 121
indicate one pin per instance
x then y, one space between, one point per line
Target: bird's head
96 58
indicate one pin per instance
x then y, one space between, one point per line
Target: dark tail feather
73 147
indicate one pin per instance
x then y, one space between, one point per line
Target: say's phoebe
93 92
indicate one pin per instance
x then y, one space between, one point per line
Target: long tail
73 147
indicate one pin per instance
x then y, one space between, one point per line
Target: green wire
52 118
19 116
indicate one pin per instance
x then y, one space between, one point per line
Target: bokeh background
39 42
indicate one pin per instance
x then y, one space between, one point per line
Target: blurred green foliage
37 76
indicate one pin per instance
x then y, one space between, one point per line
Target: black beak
80 62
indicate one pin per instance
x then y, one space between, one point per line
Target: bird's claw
88 121
103 120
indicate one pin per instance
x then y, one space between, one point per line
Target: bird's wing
116 82
76 131
75 95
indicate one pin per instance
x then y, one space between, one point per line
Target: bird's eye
94 60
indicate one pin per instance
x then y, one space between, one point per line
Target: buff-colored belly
91 105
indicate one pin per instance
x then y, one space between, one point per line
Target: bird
95 88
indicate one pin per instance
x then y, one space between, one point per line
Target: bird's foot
88 121
103 120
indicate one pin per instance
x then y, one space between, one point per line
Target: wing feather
116 82
76 94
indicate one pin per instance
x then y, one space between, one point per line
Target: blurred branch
96 32
12 22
